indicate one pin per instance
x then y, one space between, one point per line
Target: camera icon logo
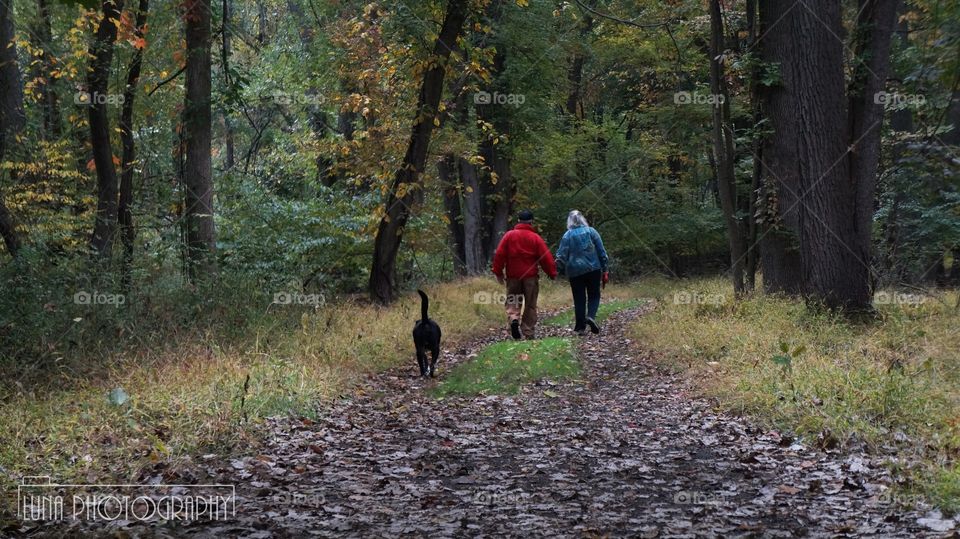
482 98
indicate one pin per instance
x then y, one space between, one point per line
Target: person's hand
605 279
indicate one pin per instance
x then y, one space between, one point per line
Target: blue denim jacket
581 251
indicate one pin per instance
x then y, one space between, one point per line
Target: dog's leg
433 361
422 360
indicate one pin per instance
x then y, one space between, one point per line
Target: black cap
525 216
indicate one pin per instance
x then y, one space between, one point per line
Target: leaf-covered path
624 451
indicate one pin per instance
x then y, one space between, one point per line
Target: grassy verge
890 381
503 367
195 390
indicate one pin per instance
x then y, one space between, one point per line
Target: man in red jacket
523 252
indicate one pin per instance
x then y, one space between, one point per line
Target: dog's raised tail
424 305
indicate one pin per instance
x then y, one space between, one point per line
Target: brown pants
523 291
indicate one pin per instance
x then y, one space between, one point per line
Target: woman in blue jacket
582 258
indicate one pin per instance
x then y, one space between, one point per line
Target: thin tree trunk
48 96
407 179
446 170
723 150
472 217
124 208
225 51
101 56
198 173
753 251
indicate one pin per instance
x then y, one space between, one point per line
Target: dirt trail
624 451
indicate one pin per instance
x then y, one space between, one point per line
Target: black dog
426 336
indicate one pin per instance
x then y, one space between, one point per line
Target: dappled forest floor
625 450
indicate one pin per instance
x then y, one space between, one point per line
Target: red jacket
522 250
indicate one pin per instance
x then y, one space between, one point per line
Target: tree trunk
446 170
724 151
12 117
780 185
407 179
756 149
101 56
49 102
875 24
473 222
124 208
225 51
198 173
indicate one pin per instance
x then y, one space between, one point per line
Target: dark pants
586 297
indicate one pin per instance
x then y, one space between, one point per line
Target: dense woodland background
200 157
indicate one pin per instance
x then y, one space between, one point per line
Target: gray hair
576 219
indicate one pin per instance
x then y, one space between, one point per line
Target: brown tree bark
875 25
198 173
473 222
49 101
101 56
11 112
225 51
408 178
780 177
756 149
447 171
129 154
724 151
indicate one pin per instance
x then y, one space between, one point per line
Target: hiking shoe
580 332
515 329
593 325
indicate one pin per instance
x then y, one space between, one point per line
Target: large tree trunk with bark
198 173
407 180
127 160
778 212
101 56
11 112
875 25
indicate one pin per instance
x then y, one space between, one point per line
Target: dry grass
895 378
209 393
